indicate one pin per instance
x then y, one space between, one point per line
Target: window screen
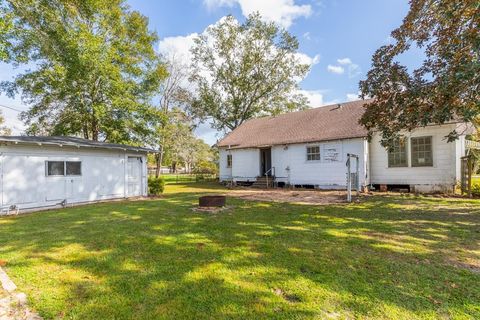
313 153
55 168
422 152
397 154
229 160
74 168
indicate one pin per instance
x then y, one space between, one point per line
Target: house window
313 153
63 168
55 168
422 152
397 154
229 160
73 168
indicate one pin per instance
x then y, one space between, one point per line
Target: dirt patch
319 197
286 296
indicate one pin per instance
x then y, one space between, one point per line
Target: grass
183 178
384 258
476 180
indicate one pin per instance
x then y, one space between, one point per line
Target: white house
310 148
39 172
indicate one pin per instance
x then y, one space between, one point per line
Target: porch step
263 182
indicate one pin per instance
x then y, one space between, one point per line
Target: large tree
242 71
6 27
174 98
96 68
447 84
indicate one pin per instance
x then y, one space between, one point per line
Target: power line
4 106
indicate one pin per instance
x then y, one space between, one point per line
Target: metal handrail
272 169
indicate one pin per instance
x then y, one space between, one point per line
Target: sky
338 37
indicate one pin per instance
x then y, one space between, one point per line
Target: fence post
470 169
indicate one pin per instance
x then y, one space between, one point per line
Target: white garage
42 172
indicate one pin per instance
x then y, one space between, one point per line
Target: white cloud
282 12
353 96
335 69
306 59
306 35
315 97
353 69
344 61
178 47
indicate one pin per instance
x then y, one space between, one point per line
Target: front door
265 161
134 176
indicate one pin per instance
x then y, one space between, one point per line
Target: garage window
73 168
63 168
55 168
313 153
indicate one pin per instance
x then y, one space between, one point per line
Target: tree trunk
159 158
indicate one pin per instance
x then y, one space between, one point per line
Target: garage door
134 176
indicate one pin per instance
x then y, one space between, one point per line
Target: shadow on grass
383 258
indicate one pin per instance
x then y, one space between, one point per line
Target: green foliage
447 84
96 68
179 143
4 130
6 27
206 167
244 71
156 185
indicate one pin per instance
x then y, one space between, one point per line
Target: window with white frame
397 153
422 155
229 160
63 168
313 153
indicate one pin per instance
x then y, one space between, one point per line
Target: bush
476 189
206 167
155 186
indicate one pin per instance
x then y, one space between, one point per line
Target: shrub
155 185
476 189
206 167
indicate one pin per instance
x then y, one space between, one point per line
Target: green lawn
476 180
383 258
183 178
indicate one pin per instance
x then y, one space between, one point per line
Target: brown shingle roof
313 125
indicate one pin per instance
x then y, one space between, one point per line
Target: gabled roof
339 121
69 141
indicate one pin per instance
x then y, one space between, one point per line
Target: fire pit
211 201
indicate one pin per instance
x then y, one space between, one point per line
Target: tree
96 73
4 130
242 71
173 99
447 84
6 27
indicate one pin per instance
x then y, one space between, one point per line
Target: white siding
441 176
374 169
245 164
324 173
24 182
